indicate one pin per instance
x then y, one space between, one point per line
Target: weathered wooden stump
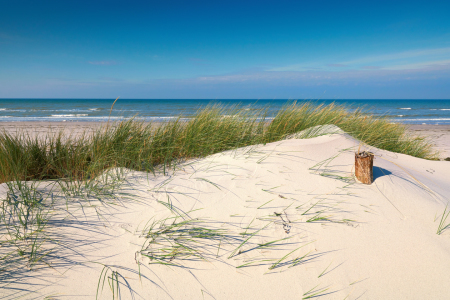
364 167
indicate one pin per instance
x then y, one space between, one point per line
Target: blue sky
225 49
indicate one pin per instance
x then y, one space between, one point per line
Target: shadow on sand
380 172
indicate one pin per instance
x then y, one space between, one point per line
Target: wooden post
364 167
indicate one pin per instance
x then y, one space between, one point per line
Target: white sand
43 128
438 135
378 241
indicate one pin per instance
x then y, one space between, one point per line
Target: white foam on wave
400 115
82 116
443 119
405 108
69 116
7 109
165 118
445 109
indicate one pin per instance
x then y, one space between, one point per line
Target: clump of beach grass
143 146
113 277
443 225
24 215
375 131
174 240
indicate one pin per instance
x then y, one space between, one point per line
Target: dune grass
172 241
443 225
141 146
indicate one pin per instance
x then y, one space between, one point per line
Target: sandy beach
439 135
274 221
36 129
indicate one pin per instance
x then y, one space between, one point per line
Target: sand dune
285 220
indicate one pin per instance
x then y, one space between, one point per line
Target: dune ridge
283 220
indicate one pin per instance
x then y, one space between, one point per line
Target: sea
405 111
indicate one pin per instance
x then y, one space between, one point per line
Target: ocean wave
400 115
441 119
445 109
7 109
37 109
164 118
62 110
69 116
405 108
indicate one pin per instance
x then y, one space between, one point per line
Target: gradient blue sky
225 49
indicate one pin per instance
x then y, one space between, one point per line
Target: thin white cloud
296 67
413 59
421 65
423 71
399 55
